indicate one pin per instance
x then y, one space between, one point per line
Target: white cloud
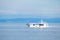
46 8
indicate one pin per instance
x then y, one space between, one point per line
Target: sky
29 8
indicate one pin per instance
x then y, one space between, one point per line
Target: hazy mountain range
30 20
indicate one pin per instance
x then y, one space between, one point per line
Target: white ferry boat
38 25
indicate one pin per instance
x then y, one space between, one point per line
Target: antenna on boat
41 20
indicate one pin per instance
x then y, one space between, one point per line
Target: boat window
41 24
33 24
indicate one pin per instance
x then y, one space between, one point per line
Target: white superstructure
38 25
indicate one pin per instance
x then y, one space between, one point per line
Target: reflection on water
20 31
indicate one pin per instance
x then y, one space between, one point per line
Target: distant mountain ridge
30 20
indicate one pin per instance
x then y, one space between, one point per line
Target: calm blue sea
20 31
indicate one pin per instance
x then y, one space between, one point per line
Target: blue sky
29 8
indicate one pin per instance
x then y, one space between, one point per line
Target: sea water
20 31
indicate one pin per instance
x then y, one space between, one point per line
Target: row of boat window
38 24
